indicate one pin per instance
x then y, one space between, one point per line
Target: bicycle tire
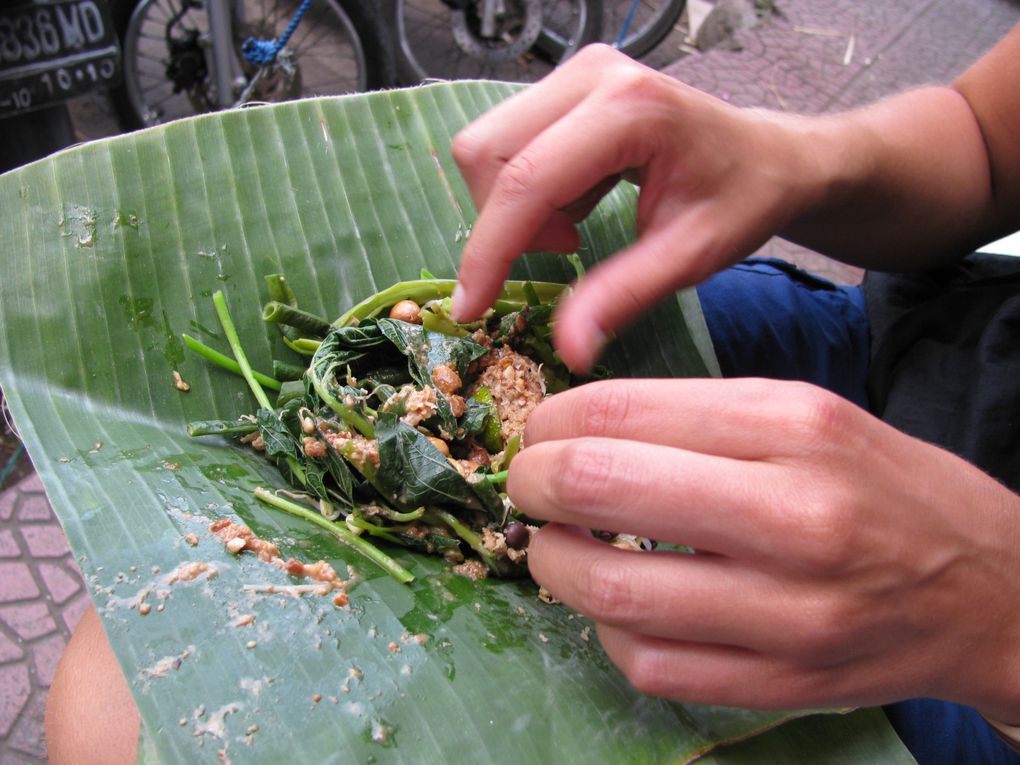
435 39
652 23
360 41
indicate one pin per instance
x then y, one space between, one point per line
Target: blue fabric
940 733
769 319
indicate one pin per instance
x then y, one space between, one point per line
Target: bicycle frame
224 63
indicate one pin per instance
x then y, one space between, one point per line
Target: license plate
53 50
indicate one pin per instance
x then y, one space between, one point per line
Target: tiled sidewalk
41 600
813 55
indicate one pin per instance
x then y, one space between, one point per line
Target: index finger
561 165
482 148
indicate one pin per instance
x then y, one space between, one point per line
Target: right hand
716 182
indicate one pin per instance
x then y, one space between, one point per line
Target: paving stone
61 584
34 507
7 500
15 689
16 582
31 483
28 730
9 650
16 758
9 545
45 540
71 613
29 620
46 655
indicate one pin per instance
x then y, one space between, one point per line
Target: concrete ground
805 55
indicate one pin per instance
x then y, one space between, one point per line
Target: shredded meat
472 569
517 387
228 530
313 447
319 571
419 405
364 449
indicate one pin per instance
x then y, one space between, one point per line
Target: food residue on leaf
191 570
238 538
179 383
472 568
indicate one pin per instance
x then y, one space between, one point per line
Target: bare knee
90 714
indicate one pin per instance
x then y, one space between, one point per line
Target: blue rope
262 52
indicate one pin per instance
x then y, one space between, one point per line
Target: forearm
920 177
902 184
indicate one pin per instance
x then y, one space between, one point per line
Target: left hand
840 562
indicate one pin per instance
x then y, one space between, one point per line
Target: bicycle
184 57
520 40
636 27
517 40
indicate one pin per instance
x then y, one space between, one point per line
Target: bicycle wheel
167 56
633 26
649 23
451 40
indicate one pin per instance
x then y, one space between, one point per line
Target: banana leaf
108 253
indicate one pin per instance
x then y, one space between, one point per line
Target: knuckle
826 535
596 55
518 178
608 591
824 633
819 418
467 149
644 671
582 475
605 406
597 52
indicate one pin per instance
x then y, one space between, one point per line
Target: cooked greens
399 423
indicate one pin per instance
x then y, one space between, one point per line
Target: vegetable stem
226 362
512 297
366 549
465 532
235 345
281 313
221 428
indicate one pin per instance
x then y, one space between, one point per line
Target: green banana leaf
108 253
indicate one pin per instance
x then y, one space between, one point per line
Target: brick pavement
41 600
810 55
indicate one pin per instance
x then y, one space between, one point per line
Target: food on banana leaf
399 424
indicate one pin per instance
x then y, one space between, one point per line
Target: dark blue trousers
769 319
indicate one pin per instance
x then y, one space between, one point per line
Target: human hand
716 182
840 562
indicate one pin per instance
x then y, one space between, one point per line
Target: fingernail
457 302
589 339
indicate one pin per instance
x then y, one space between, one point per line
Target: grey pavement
807 55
